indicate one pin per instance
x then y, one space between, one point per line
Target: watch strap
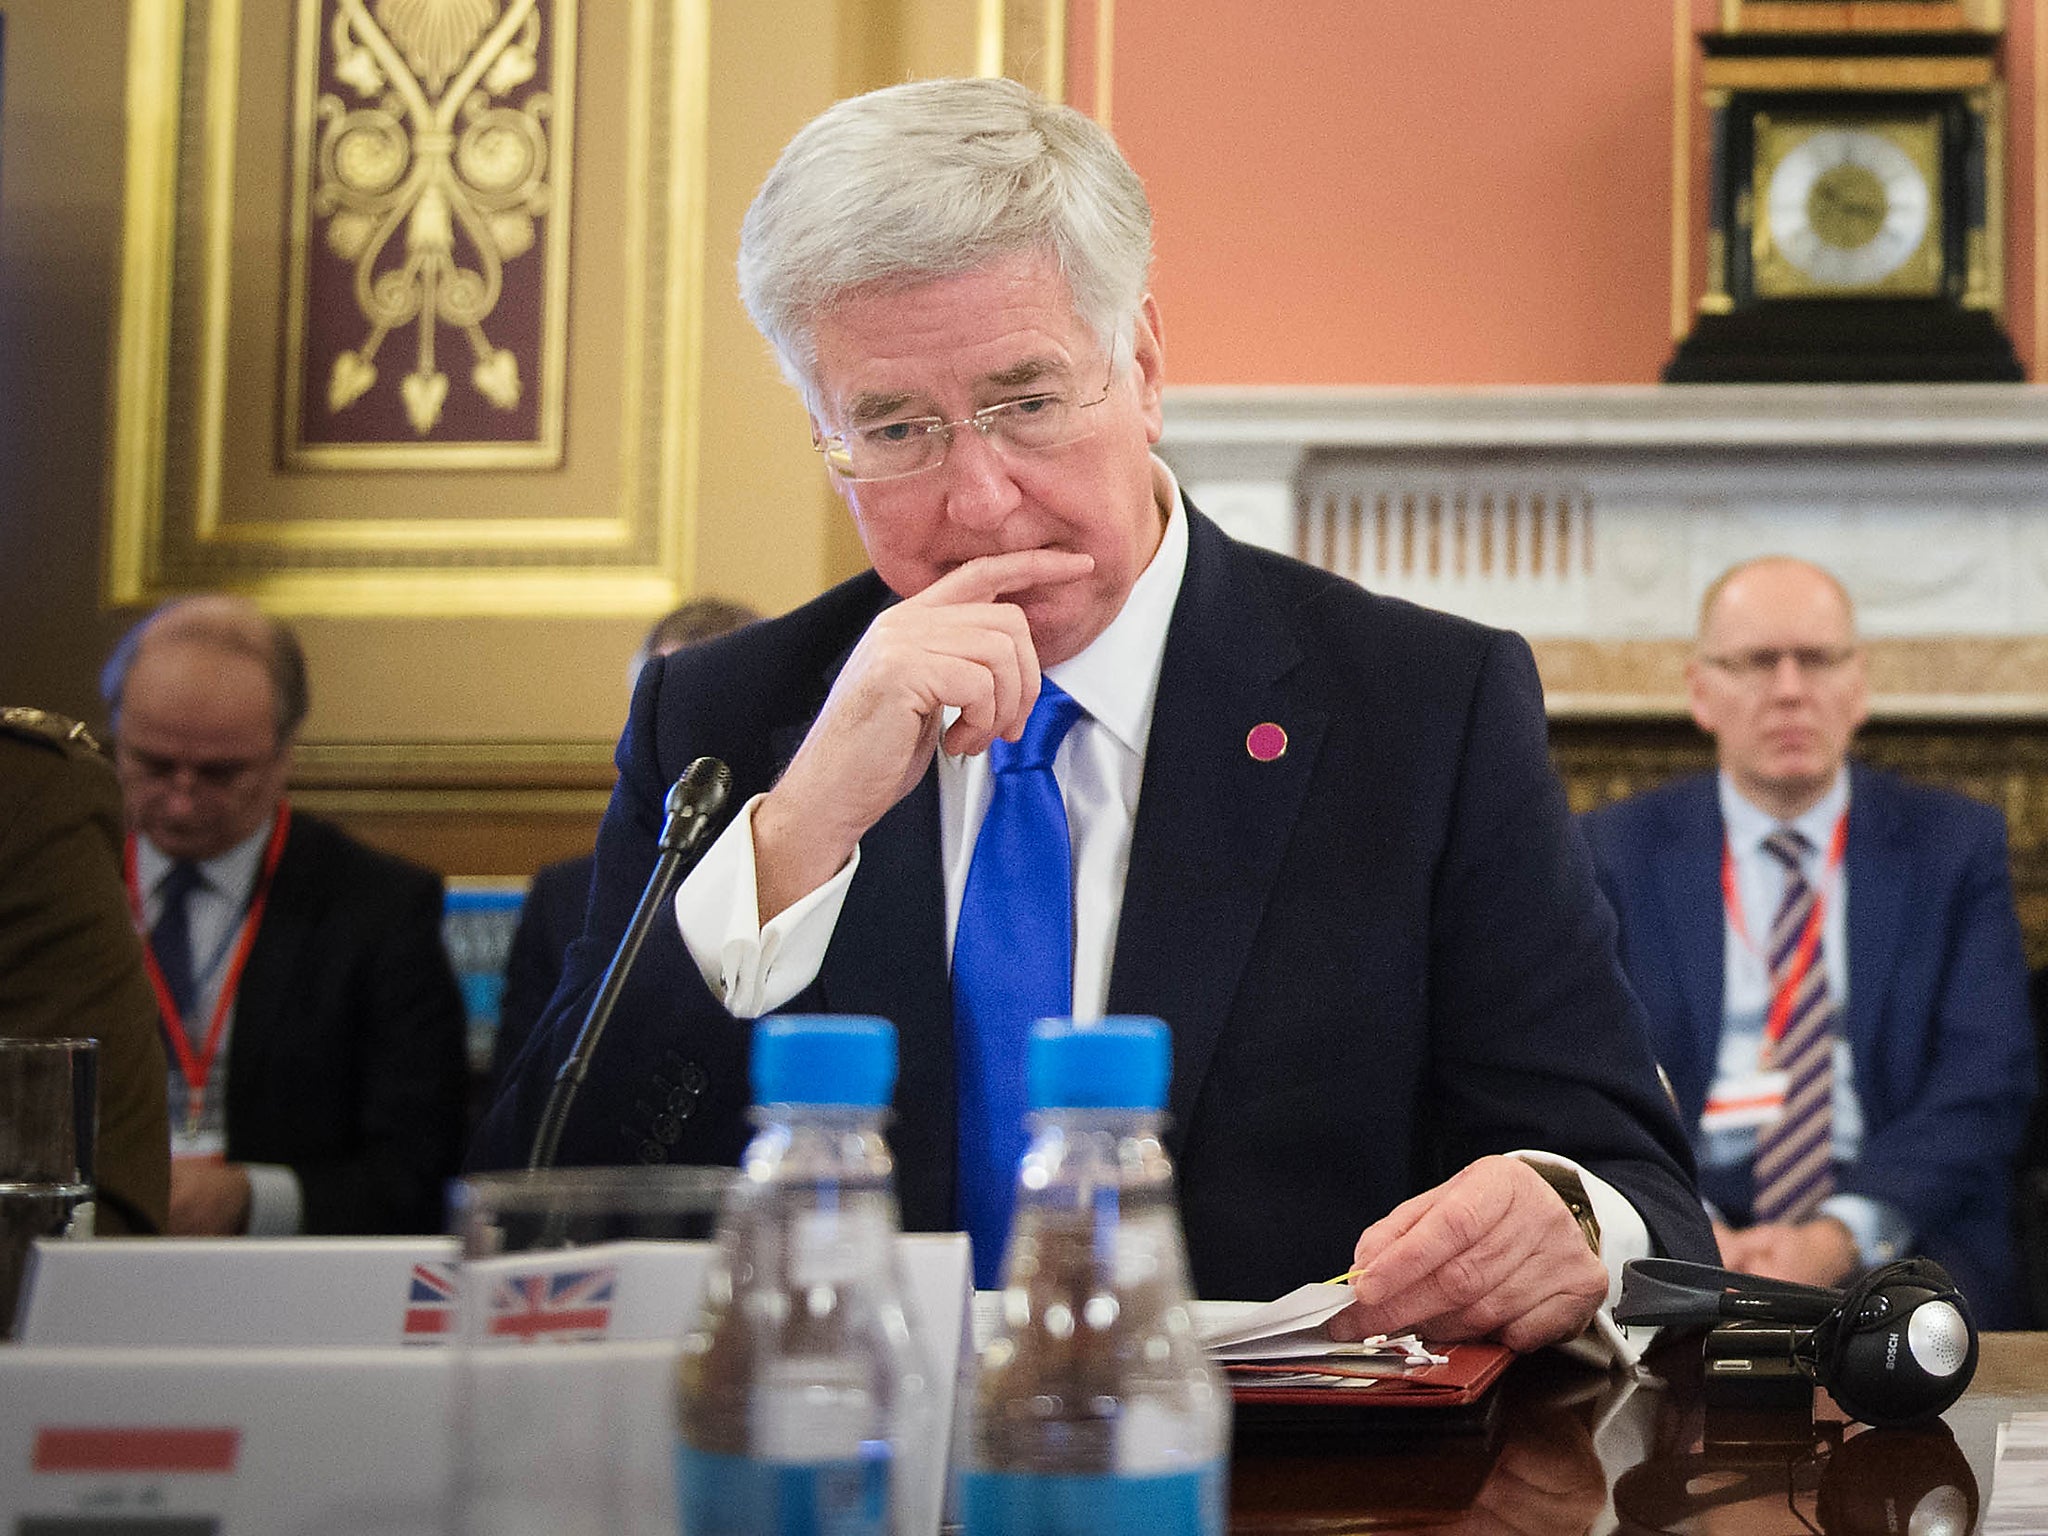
1571 1189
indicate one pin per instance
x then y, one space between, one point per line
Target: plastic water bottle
801 1394
1096 1411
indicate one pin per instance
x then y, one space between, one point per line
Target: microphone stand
692 806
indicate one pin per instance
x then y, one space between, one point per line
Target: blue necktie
1013 964
171 938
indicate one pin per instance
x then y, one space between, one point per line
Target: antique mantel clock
1855 218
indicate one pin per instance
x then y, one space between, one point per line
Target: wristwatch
1571 1189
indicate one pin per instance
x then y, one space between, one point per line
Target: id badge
1746 1103
207 1145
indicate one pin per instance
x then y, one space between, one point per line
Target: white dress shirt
213 912
755 969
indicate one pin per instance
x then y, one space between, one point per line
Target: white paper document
1291 1328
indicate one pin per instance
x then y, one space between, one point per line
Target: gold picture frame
599 521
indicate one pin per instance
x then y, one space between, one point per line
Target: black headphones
1896 1347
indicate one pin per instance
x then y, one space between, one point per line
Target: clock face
1847 208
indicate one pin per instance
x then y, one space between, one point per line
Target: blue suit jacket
1381 955
1937 1019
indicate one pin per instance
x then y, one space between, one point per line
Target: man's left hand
208 1198
1490 1253
1817 1252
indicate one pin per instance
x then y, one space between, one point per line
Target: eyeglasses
1761 665
910 445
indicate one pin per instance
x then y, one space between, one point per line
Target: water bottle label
744 1496
1023 1504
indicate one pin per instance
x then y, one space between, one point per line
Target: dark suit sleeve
1539 1040
549 920
1945 1125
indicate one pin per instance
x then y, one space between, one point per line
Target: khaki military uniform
70 960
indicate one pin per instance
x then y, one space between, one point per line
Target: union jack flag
430 1304
569 1305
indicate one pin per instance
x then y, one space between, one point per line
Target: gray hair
936 178
229 624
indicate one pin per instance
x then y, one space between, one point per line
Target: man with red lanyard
1830 962
313 1025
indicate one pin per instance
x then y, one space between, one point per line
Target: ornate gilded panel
429 233
307 184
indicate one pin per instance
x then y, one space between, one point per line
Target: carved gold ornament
430 182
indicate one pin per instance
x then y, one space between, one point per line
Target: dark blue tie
171 938
1013 964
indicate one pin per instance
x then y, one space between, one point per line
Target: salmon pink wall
1457 192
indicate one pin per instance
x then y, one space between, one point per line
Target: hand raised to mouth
955 644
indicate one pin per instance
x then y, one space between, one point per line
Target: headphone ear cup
1901 1347
1914 1480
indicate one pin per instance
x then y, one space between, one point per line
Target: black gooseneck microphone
692 807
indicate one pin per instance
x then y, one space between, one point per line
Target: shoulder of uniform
60 733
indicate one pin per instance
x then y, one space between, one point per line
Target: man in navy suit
1909 945
1350 884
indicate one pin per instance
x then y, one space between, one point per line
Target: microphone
1897 1346
693 804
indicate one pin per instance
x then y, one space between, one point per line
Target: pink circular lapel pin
1266 742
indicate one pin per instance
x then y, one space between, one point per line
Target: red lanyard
1809 938
197 1064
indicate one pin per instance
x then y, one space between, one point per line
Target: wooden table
1560 1451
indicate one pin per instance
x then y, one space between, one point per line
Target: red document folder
1334 1383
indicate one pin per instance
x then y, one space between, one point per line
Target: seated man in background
70 964
551 917
1830 960
316 1032
1069 747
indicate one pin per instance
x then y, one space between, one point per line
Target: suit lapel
1688 878
1192 903
262 1003
1875 887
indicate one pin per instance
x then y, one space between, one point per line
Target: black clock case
1862 340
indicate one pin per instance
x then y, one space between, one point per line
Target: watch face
1847 206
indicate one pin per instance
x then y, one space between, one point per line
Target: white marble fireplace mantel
1591 519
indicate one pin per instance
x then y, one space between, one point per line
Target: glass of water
575 1288
48 1117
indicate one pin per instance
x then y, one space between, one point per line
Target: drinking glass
48 1117
576 1285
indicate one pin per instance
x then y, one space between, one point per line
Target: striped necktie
1013 964
1794 1168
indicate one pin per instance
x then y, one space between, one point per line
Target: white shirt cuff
754 969
1623 1236
276 1204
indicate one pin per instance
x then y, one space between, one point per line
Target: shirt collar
1749 825
1116 679
232 873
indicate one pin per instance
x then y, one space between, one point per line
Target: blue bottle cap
1121 1062
802 1058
